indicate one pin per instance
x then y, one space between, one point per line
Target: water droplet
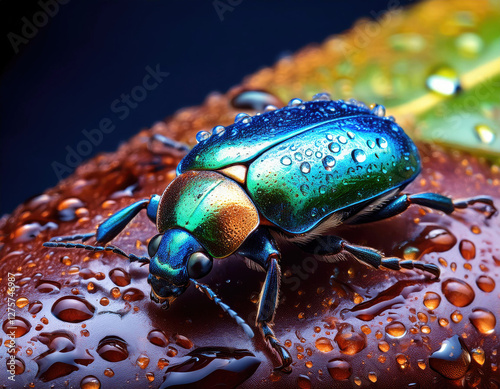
339 369
467 249
349 341
383 346
444 81
35 307
67 208
158 338
183 341
402 361
112 349
133 294
202 135
321 97
286 161
324 345
119 276
255 100
162 363
395 329
351 134
432 300
469 44
329 162
359 155
483 320
295 103
323 189
19 326
372 376
305 167
243 118
298 156
218 130
104 301
109 372
382 143
456 317
309 152
45 286
370 143
115 292
378 110
318 154
142 361
342 139
457 292
21 302
90 382
334 147
485 133
452 360
478 355
304 189
150 377
304 382
270 108
231 367
72 309
485 283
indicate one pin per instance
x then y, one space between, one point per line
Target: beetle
295 172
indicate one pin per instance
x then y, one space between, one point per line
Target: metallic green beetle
297 171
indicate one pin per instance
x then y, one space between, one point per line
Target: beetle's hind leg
431 200
332 245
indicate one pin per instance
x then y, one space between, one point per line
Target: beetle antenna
212 296
116 250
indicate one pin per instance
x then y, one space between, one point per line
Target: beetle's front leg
261 248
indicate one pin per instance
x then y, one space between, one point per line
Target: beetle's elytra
297 171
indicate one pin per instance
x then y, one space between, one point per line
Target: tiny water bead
483 320
334 147
432 300
457 292
452 360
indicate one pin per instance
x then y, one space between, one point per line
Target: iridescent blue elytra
295 172
306 162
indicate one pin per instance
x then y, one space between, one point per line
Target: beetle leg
112 226
114 249
167 142
334 245
261 248
82 237
431 200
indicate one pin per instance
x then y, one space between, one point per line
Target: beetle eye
199 265
153 245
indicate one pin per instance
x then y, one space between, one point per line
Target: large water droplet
467 249
295 103
444 81
256 100
485 133
378 110
305 167
452 360
342 139
334 147
483 320
359 155
46 286
112 349
339 369
349 341
457 292
18 326
90 382
218 130
485 283
324 345
72 309
382 143
158 338
119 276
202 135
395 329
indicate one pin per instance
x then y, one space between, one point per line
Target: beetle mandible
297 171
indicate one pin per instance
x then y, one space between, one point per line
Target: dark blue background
66 77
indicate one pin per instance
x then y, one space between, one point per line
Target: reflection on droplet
382 143
457 292
305 167
478 355
485 133
349 341
339 369
483 320
90 382
432 300
452 360
112 349
444 81
359 155
334 147
202 135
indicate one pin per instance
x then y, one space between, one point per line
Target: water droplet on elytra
485 133
305 167
202 135
329 162
334 147
478 355
18 326
286 161
359 155
349 341
342 139
119 276
324 345
256 100
467 249
382 143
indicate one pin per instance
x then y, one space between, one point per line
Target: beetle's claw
285 357
165 304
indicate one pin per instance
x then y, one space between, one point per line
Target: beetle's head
176 258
